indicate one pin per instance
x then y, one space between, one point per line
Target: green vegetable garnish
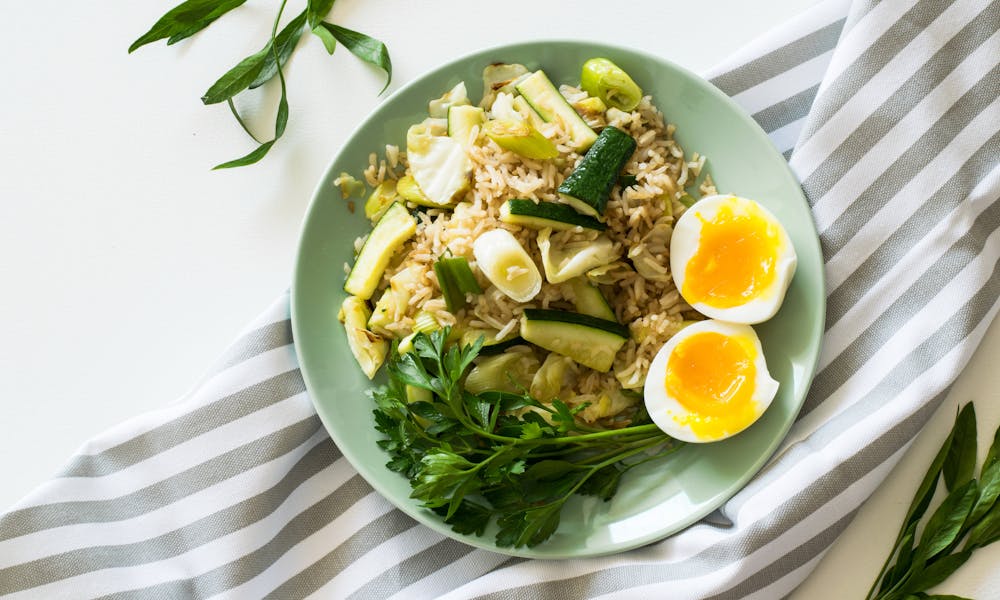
687 200
191 16
970 511
471 459
520 138
455 278
625 180
604 79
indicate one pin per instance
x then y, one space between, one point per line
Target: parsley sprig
970 512
475 457
191 16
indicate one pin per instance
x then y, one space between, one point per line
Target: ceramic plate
656 499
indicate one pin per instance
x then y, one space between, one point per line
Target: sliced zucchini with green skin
590 341
390 232
552 106
368 349
524 109
491 347
392 305
588 299
539 215
380 200
461 120
589 185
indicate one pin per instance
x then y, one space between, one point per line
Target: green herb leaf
470 518
945 524
249 159
994 452
960 461
987 530
442 475
285 43
603 483
937 571
257 68
904 558
185 20
317 11
989 491
324 35
407 369
238 78
368 49
478 407
531 431
528 528
925 491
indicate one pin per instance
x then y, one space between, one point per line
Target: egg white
684 244
669 414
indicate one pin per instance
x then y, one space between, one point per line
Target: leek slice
575 258
604 79
503 261
520 138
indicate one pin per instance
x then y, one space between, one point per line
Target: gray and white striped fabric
237 492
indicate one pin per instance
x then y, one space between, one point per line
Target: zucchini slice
588 299
380 200
546 214
390 232
589 185
492 347
368 349
538 90
590 341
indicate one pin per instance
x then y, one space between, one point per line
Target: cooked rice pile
638 286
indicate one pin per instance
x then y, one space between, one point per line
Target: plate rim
422 515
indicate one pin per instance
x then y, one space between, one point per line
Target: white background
128 266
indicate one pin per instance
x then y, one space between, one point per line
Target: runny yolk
713 376
735 259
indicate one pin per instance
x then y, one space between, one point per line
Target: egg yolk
735 259
713 376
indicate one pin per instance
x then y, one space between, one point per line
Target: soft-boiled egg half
731 259
709 382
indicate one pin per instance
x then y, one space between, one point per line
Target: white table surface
128 266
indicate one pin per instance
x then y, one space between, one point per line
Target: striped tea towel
237 492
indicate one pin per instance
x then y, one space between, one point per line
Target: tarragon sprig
970 512
191 16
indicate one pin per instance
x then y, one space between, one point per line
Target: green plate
656 499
